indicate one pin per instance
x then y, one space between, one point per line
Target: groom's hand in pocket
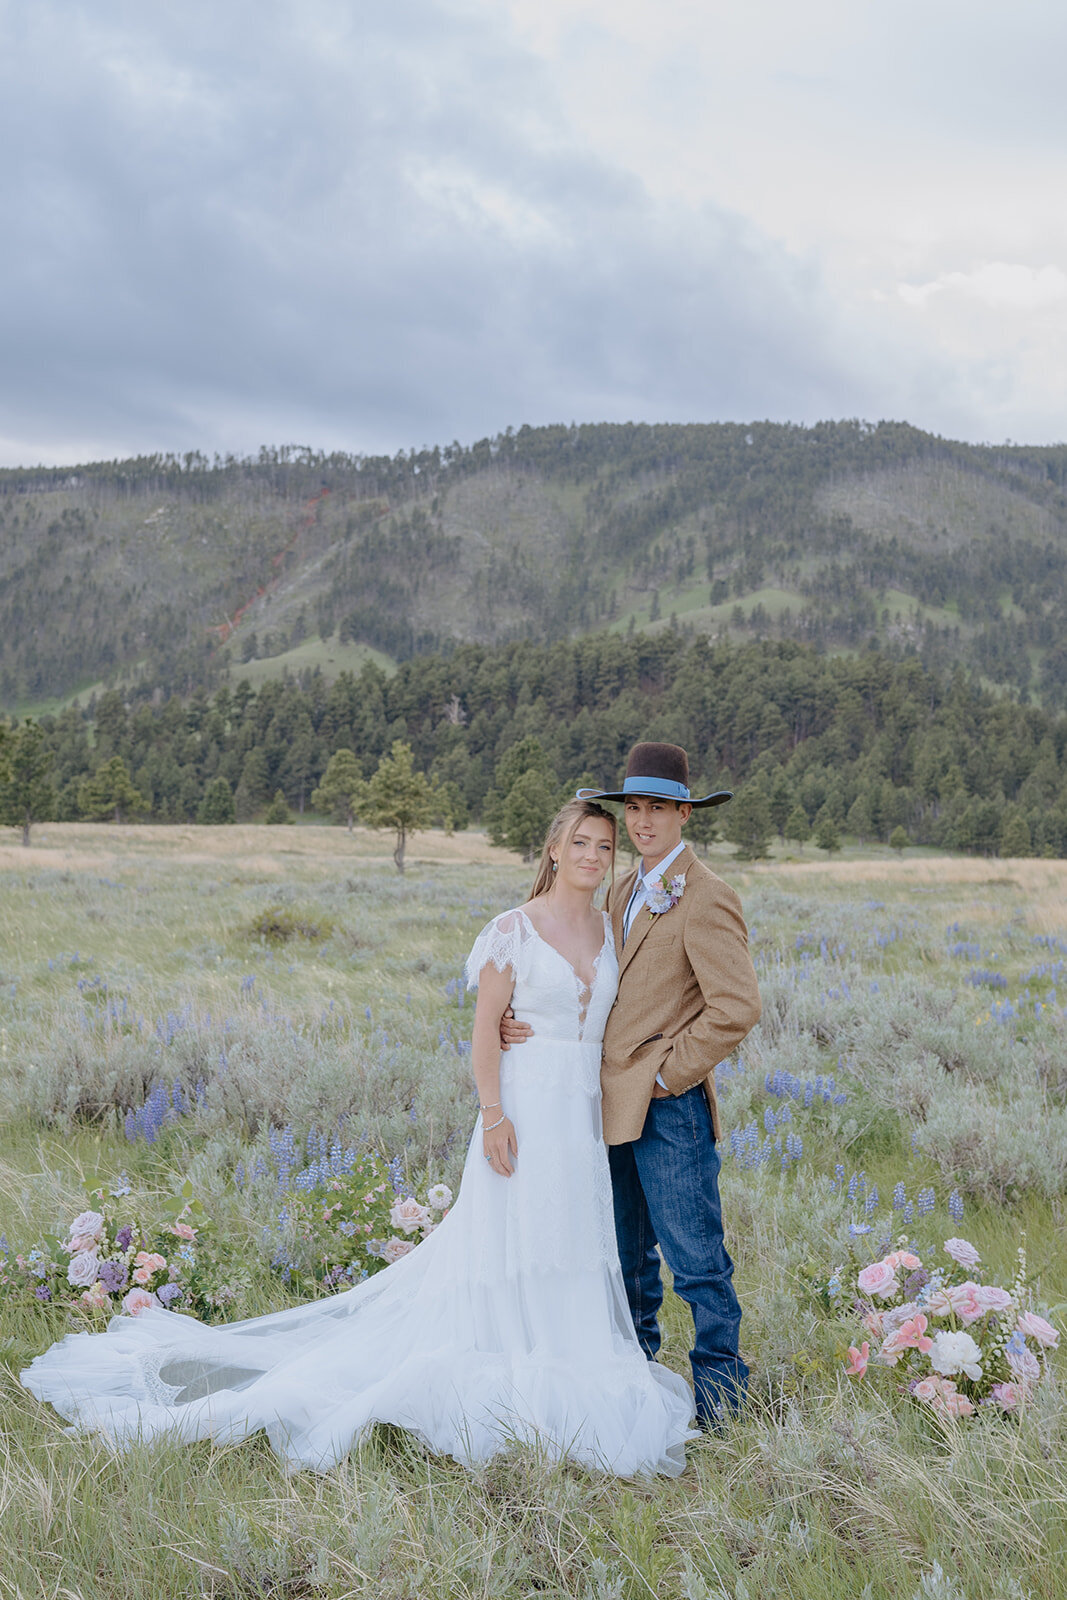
512 1032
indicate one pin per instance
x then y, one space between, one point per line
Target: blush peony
956 1352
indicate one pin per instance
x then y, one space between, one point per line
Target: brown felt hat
659 772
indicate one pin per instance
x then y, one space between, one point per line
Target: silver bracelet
490 1105
493 1125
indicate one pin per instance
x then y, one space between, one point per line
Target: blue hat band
660 787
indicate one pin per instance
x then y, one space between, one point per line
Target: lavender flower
113 1275
167 1293
124 1236
42 1292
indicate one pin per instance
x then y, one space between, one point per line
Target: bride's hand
499 1146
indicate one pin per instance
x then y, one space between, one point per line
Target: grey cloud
364 227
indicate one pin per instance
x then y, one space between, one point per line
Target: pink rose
958 1405
932 1389
137 1301
994 1299
941 1395
1031 1326
964 1254
1024 1365
182 1230
880 1279
857 1359
83 1269
966 1301
80 1242
903 1258
393 1249
149 1260
1009 1396
89 1223
408 1215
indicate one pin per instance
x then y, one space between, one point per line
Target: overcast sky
380 224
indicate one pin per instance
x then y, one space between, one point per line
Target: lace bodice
548 993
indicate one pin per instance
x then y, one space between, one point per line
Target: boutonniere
663 896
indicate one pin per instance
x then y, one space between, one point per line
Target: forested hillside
165 575
847 744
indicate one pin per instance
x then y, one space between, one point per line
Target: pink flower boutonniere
663 896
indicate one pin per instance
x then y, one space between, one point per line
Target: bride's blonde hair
561 831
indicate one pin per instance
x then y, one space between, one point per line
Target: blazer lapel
620 899
645 918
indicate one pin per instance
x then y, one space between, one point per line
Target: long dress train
509 1322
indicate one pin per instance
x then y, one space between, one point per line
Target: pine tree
278 810
748 823
217 806
797 826
826 835
398 797
342 788
27 794
109 793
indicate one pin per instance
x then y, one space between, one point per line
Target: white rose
408 1215
393 1249
83 1269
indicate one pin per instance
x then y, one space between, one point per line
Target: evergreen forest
815 745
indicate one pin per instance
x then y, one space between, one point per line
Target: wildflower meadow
234 1073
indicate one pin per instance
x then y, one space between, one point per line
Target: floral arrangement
108 1265
953 1343
349 1226
663 895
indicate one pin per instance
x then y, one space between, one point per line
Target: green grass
328 656
824 1490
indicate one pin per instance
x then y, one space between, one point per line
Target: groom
687 997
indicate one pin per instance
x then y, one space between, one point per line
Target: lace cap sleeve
500 944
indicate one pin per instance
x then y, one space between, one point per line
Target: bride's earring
555 864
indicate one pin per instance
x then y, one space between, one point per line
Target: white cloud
1003 285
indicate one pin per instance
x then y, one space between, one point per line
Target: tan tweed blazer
687 996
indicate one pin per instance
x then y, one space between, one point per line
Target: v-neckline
608 933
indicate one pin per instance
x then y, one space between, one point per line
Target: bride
509 1322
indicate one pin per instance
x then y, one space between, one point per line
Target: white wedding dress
509 1322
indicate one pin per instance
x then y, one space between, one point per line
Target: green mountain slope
168 574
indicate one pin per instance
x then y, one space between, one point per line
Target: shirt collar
660 869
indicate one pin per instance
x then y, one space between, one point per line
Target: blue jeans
666 1192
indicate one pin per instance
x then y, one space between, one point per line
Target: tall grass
912 1043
